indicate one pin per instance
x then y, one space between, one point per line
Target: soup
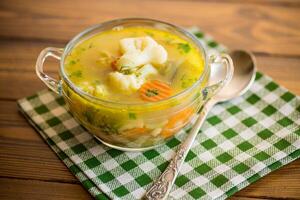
134 65
128 68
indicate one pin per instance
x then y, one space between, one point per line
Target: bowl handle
226 61
51 83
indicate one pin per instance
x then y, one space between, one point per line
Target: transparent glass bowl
131 127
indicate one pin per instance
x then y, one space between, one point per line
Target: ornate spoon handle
161 188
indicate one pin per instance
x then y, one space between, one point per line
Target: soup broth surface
94 65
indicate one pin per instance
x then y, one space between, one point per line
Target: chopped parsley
212 44
187 82
77 74
125 70
149 33
199 35
151 92
72 62
132 115
97 82
184 47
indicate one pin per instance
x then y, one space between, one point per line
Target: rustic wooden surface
30 170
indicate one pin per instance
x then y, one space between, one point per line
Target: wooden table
28 167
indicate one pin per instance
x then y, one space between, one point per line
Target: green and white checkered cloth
241 141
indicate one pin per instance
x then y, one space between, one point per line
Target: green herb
187 82
72 62
96 119
151 92
89 116
199 35
149 33
212 44
77 74
125 70
132 115
138 74
197 95
185 47
97 82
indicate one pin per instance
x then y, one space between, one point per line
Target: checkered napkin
241 141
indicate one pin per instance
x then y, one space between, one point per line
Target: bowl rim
118 22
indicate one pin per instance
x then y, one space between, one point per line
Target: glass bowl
138 126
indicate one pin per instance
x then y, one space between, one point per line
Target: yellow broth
88 65
89 62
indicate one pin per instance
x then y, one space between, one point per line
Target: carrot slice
177 121
155 90
114 65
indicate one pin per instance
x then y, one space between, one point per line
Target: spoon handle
162 186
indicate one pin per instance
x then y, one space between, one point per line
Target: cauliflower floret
126 84
101 90
87 87
140 51
147 70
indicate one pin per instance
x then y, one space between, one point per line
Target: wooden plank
9 115
285 71
260 28
245 198
22 55
276 184
36 190
23 154
266 2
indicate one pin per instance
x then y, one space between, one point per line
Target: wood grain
260 28
25 155
36 190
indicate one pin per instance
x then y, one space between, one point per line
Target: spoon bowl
243 77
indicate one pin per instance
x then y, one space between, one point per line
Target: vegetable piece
155 90
126 84
100 90
134 133
87 87
184 47
177 121
114 65
155 132
132 115
170 69
147 70
77 74
140 51
138 123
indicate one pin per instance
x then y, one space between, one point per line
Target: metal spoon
244 74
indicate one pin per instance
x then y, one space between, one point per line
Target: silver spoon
244 74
